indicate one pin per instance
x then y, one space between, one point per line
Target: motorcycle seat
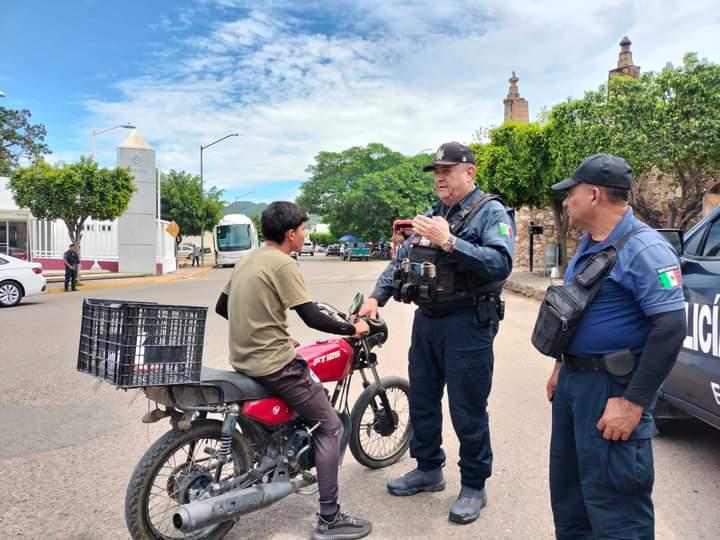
234 385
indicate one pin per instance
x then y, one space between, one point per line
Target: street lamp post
202 194
237 197
96 132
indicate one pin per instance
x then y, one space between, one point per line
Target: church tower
625 64
516 107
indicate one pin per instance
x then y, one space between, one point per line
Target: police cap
451 153
600 170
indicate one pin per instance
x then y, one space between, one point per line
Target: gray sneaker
416 481
343 527
466 508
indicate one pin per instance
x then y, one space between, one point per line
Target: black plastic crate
136 344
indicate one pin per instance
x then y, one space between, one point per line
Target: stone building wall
523 217
655 188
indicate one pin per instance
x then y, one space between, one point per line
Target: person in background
71 260
195 255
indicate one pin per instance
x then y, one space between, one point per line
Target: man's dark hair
280 217
617 195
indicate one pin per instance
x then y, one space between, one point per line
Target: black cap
451 153
600 170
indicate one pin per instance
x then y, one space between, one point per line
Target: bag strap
612 251
470 211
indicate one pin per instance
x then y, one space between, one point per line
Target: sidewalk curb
57 278
127 282
525 290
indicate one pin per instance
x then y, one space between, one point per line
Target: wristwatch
449 244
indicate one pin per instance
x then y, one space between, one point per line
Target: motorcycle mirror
357 304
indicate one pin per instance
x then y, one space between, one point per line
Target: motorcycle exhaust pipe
205 512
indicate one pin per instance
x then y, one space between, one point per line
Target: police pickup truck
693 386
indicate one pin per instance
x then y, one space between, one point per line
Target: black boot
466 508
416 481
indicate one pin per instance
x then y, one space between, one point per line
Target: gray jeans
294 384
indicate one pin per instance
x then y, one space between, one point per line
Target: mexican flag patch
669 277
505 230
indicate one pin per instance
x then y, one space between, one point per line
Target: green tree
72 192
680 120
333 174
379 198
257 221
665 121
363 189
182 200
323 238
516 164
19 139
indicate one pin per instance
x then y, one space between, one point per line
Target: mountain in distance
251 209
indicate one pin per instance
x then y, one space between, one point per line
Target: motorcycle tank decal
330 359
270 411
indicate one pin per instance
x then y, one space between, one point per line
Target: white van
308 248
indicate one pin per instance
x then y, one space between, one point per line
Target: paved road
68 444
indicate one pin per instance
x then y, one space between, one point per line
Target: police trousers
457 352
599 489
70 278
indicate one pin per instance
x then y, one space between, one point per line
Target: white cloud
380 71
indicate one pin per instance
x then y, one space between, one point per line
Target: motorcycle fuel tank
329 359
268 411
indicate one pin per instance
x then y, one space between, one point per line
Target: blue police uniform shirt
71 257
485 244
641 284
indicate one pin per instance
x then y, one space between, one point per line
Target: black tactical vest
434 279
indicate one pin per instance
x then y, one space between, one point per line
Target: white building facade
112 245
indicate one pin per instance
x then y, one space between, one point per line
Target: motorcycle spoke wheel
379 437
176 470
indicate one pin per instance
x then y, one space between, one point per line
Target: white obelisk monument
137 227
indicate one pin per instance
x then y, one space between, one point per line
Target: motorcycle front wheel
379 437
175 470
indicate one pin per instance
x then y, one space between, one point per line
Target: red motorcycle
203 474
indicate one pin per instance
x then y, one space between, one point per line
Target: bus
235 236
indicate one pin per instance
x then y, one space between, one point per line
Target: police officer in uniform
71 260
452 267
601 461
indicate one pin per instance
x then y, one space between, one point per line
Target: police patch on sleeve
669 276
505 230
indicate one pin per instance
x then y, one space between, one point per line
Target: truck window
692 247
712 242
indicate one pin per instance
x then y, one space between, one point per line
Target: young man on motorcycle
264 285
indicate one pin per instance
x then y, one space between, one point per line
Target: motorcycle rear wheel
379 438
160 474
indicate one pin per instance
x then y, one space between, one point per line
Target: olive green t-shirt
264 285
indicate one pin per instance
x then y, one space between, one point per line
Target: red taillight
37 269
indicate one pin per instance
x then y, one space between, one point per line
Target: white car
308 248
184 251
19 278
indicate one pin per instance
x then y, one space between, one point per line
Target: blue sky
299 77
